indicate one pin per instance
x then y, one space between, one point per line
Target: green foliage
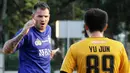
18 13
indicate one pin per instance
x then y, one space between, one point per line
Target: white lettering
44 52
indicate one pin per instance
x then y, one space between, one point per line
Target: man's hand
28 25
53 52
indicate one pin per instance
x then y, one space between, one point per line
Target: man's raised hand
27 26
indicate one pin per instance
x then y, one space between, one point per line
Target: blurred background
66 22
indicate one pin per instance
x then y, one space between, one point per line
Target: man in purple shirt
33 42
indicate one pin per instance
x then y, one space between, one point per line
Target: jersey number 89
95 66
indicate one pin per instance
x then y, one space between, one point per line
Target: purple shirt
34 51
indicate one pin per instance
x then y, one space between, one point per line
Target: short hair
96 19
40 5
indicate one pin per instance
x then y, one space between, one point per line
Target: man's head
41 14
40 5
96 19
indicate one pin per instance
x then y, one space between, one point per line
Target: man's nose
43 19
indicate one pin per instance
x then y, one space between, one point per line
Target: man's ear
105 28
87 30
86 27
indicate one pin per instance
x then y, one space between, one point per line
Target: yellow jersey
96 55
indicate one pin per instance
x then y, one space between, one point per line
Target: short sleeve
68 64
124 65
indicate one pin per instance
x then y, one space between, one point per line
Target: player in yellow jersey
96 54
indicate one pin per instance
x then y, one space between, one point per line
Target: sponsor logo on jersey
98 42
40 42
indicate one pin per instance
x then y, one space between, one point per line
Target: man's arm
11 44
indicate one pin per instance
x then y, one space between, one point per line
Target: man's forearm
11 44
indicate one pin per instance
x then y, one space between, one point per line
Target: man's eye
40 16
46 16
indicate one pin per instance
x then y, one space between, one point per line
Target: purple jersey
34 51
